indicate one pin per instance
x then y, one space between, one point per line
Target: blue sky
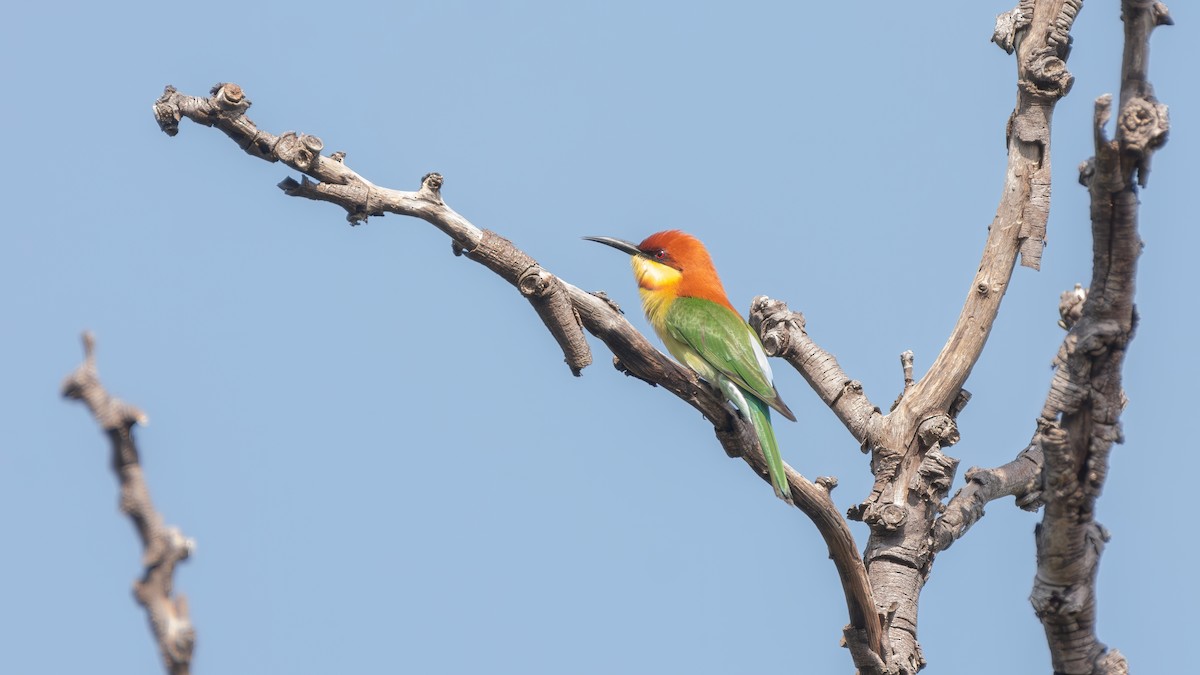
376 445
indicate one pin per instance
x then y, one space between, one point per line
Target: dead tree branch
565 310
1020 478
912 474
1081 417
783 335
1041 33
163 547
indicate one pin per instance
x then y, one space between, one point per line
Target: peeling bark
1080 421
912 473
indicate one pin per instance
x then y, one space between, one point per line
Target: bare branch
338 184
1020 478
563 307
163 547
543 290
906 363
912 474
864 635
783 335
1143 124
1081 418
1019 226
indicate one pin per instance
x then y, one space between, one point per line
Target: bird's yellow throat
656 284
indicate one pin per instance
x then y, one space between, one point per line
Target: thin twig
163 547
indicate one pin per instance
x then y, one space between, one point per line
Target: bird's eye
660 254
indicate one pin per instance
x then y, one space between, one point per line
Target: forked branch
1020 478
564 309
912 473
1039 32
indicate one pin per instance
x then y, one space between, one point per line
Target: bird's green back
726 344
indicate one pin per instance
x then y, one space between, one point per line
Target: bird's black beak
619 244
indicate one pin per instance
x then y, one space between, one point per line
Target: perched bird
685 302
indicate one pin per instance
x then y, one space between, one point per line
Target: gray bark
907 510
163 547
1081 418
573 310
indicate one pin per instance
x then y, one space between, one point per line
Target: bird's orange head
673 263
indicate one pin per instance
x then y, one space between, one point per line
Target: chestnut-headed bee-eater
685 302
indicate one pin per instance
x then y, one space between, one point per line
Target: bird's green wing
726 343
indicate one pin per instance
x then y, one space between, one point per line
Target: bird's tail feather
760 417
